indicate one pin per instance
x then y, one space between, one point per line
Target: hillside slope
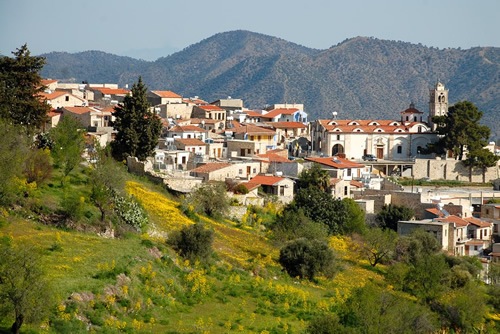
360 77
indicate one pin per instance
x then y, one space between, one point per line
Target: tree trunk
484 175
16 326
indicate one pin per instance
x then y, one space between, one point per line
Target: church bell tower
438 103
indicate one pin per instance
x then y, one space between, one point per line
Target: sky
149 29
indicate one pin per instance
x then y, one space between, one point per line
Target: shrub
130 212
193 242
305 258
210 199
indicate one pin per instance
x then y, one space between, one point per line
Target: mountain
358 78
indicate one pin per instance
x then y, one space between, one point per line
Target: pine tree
20 87
461 130
138 128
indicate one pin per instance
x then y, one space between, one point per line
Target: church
393 140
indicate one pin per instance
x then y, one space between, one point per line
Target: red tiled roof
357 184
190 141
412 110
80 110
453 219
52 95
251 113
368 126
211 107
280 111
111 91
53 112
436 212
166 94
211 167
273 157
477 222
195 101
47 82
287 125
338 163
186 128
253 129
250 185
266 180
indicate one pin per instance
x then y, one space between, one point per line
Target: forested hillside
358 78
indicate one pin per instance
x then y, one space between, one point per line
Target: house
495 253
58 99
287 131
209 111
465 236
109 95
249 140
171 159
491 213
157 97
281 187
220 171
193 145
207 123
441 230
53 118
229 104
90 117
186 132
285 114
341 168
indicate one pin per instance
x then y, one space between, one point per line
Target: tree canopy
20 88
138 128
390 214
460 130
24 290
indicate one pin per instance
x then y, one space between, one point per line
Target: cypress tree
20 87
138 127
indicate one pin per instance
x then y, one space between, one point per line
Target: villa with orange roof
187 132
109 94
279 186
58 99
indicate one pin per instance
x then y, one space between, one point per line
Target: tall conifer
138 127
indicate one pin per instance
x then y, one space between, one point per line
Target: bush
193 242
305 258
130 212
210 199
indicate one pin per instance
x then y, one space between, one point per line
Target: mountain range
359 78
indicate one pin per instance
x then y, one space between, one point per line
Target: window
346 191
240 171
249 150
338 137
67 98
255 170
399 149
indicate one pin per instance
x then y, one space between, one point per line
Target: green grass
137 284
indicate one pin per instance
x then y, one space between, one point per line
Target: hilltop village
265 151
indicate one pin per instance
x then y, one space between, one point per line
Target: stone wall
182 184
451 170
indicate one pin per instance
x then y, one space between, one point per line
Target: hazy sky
149 29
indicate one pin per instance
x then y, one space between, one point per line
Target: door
380 153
